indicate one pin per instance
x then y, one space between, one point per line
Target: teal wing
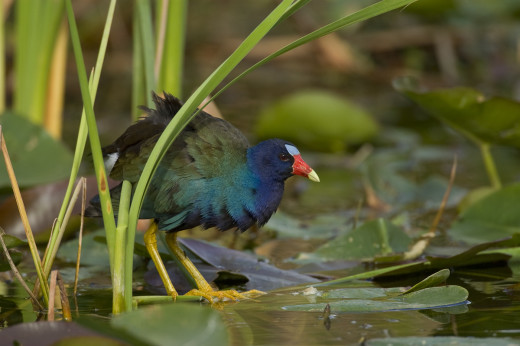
207 148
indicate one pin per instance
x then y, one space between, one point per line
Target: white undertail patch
110 161
292 150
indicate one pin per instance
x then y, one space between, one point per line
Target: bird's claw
212 296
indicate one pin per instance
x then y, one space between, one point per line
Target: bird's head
278 159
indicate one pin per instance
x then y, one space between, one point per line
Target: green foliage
435 279
373 238
493 217
427 298
492 121
174 324
485 122
32 150
423 295
317 120
37 25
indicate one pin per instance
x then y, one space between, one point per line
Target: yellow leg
150 240
203 288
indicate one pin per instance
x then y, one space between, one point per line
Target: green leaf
492 217
175 324
37 158
373 238
427 298
368 12
317 120
433 280
320 227
495 120
94 253
16 256
12 241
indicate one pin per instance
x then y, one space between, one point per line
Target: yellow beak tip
313 176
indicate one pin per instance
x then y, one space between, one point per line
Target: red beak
300 167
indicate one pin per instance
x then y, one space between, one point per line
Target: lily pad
36 157
490 218
317 120
373 238
428 298
174 324
495 120
320 227
435 279
56 333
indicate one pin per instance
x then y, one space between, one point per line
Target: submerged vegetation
410 220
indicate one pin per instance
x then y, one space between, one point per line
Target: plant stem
147 45
138 85
25 220
95 145
121 302
82 135
172 57
489 163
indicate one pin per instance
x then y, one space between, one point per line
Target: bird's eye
284 157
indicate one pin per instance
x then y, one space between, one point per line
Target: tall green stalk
147 45
82 137
119 280
101 177
37 25
371 11
172 57
138 85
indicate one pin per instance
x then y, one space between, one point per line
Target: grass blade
95 145
16 273
172 57
25 220
359 16
82 135
147 44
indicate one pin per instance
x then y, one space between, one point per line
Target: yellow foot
212 295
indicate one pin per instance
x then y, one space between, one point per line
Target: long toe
213 296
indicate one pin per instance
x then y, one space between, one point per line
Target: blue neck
267 187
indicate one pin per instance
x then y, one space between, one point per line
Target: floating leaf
493 217
94 256
427 298
377 237
37 158
320 227
57 333
174 324
435 279
317 120
495 120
